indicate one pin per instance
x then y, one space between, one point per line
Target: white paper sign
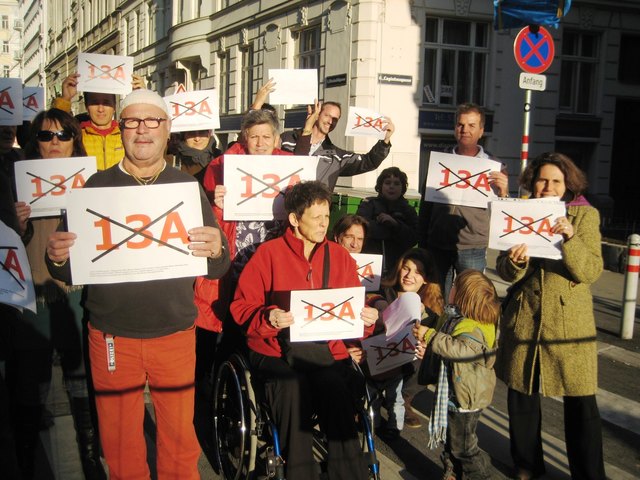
16 284
363 122
515 221
405 309
384 354
460 180
329 314
105 73
32 102
255 184
369 270
294 86
194 110
10 101
45 184
134 234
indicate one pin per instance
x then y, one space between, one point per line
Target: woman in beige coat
548 333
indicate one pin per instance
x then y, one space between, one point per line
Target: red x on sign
534 51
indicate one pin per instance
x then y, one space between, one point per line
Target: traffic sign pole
524 151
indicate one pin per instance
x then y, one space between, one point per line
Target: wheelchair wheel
234 416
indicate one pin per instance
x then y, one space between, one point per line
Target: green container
343 204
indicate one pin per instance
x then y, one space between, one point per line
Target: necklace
146 180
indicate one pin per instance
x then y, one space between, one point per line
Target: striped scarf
438 419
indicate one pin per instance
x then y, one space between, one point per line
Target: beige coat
549 318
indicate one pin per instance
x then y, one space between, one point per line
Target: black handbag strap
326 267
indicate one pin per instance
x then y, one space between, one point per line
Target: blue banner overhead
520 13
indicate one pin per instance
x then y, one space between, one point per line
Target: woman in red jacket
303 259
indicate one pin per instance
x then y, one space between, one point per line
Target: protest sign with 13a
459 180
134 234
194 110
366 123
328 314
45 184
259 182
104 73
515 221
369 270
16 283
384 354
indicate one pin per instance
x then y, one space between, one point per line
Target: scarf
192 156
438 419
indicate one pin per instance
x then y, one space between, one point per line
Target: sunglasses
47 135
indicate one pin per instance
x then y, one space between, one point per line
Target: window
247 78
6 71
5 47
5 22
456 53
578 71
133 38
628 66
309 48
225 74
141 31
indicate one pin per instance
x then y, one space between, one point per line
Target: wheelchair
246 440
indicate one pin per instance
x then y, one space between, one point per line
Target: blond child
465 339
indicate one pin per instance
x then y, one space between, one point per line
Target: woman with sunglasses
58 323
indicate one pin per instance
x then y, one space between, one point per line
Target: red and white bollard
630 287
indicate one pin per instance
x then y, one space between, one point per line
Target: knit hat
145 96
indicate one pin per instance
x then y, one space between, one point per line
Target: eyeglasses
47 135
132 123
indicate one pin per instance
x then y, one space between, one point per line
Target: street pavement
409 458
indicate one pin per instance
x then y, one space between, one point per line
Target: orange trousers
168 364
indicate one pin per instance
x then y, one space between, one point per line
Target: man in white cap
148 326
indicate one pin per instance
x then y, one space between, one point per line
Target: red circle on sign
533 51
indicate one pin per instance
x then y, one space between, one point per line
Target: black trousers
582 430
293 396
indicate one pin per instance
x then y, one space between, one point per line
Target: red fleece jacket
276 268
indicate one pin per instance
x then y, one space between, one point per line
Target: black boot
87 438
26 436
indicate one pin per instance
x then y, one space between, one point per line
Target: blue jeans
453 262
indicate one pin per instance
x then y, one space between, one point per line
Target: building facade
9 39
31 28
413 61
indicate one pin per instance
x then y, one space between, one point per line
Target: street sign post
533 50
